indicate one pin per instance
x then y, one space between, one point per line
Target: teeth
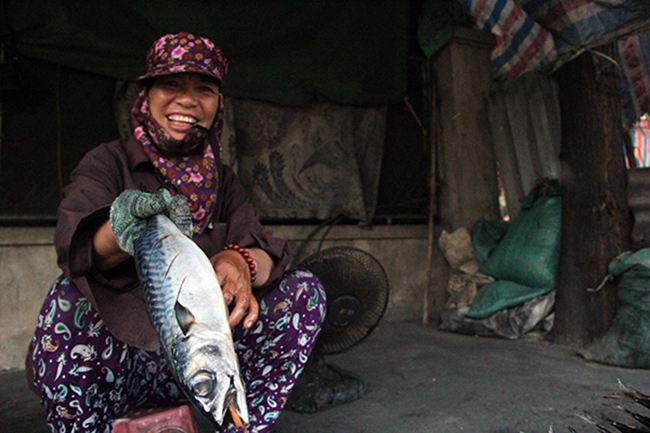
179 118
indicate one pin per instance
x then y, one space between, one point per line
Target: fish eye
202 384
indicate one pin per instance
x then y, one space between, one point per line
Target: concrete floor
424 380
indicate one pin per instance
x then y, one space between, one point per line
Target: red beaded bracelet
247 256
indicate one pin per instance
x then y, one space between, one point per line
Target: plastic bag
532 319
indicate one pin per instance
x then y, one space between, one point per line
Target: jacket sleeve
95 183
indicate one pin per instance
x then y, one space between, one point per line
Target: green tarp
287 52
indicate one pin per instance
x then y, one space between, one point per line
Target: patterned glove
131 209
179 213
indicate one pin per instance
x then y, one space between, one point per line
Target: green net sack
627 341
529 251
486 236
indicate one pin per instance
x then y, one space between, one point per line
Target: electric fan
357 294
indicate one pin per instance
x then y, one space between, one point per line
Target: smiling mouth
182 119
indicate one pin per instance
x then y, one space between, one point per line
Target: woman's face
180 101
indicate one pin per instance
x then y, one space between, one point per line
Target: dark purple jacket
99 178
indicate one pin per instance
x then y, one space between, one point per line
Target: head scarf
188 164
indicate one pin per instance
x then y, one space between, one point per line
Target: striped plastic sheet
641 142
542 34
634 53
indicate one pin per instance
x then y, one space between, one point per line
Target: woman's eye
207 89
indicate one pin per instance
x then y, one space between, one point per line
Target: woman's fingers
242 304
232 273
253 313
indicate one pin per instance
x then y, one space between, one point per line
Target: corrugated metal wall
525 125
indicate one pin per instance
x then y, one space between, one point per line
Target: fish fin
184 317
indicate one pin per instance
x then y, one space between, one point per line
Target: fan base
322 386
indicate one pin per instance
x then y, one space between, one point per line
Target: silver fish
187 309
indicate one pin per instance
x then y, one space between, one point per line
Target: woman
95 355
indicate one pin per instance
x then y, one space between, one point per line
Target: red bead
247 256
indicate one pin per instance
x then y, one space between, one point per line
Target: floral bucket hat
185 52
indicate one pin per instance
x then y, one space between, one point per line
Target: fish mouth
228 400
229 410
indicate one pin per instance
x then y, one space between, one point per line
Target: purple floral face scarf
189 164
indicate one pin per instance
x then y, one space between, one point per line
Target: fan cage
349 272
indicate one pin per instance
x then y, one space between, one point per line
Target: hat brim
181 69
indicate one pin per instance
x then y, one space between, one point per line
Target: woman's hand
114 241
234 277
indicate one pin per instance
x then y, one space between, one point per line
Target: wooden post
595 222
462 180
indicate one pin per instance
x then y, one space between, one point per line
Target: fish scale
186 307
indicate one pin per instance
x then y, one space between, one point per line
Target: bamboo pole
432 140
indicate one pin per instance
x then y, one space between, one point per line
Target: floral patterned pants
86 378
